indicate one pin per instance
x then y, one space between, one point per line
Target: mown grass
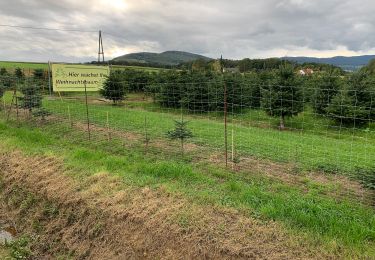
317 146
339 226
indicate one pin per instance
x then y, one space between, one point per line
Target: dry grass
99 218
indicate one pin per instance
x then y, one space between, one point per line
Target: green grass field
316 147
343 227
12 65
23 65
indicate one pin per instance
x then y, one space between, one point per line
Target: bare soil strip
99 218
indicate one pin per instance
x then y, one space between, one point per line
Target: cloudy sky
236 28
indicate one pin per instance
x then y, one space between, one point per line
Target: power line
45 28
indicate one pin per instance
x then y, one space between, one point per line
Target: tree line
348 100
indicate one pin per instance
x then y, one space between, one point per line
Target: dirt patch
99 218
109 133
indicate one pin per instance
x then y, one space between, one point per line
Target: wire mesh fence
277 131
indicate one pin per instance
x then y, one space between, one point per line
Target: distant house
232 70
306 72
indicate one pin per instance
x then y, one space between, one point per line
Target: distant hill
347 63
164 58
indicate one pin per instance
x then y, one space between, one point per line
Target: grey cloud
236 29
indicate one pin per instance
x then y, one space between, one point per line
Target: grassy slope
337 225
314 148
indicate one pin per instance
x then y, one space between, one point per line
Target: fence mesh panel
334 145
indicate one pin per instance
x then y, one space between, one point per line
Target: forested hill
165 58
347 63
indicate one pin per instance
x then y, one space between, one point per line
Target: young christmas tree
32 97
180 132
114 87
283 98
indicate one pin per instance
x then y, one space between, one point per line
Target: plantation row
281 93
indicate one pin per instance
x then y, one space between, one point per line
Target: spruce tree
283 97
180 132
114 87
354 105
38 74
32 97
324 88
19 73
3 72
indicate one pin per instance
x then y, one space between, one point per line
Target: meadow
23 65
340 226
313 178
312 143
12 65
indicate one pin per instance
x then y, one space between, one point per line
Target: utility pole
101 49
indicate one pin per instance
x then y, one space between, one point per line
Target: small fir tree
284 98
114 87
32 97
19 73
180 132
38 74
3 72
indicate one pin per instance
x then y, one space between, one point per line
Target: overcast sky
236 28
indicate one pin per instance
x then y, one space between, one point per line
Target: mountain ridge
163 58
174 58
345 62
